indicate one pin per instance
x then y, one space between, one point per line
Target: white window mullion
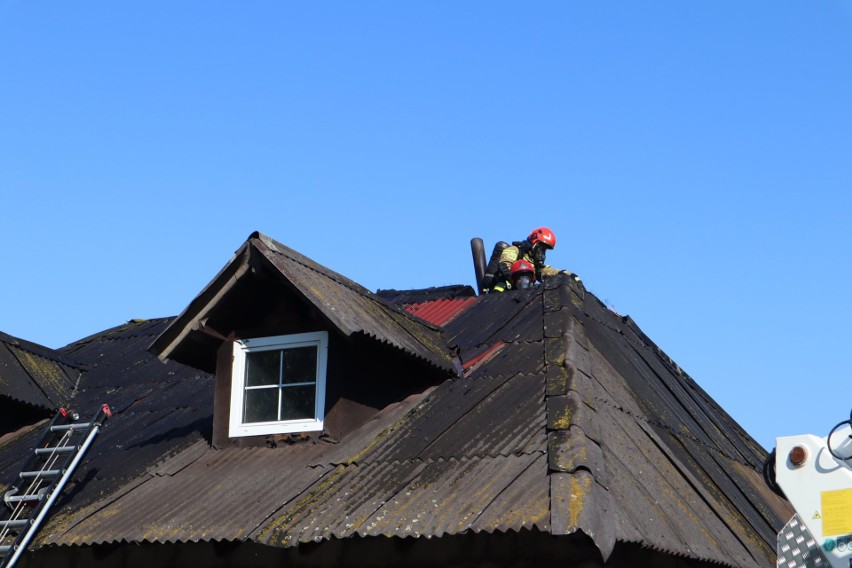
280 381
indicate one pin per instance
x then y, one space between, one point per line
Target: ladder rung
45 473
29 497
4 550
16 524
56 450
75 426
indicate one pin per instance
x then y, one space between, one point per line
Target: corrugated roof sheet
439 312
159 408
436 439
353 308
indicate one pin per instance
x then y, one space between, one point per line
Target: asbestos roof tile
449 497
462 418
416 498
426 295
177 506
507 317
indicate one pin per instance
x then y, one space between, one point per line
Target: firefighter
533 250
523 275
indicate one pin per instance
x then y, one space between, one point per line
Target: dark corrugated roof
34 374
660 463
158 409
426 295
353 308
566 420
426 466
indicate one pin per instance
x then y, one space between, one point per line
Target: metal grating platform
797 548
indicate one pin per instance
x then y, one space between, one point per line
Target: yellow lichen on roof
48 374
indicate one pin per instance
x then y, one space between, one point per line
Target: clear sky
693 159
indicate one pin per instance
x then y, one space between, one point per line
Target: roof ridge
104 334
38 350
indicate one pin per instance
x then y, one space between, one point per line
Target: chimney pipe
477 248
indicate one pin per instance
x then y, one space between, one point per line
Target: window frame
237 428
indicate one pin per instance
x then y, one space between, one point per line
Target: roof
566 420
159 408
348 306
34 374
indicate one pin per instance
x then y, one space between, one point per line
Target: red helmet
522 266
543 235
523 275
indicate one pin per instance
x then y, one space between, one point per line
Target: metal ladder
42 478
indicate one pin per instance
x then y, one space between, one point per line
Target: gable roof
567 421
346 305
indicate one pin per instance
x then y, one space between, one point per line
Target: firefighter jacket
509 255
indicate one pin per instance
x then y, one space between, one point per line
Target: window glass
300 365
298 402
263 368
261 405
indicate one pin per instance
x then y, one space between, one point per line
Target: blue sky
693 159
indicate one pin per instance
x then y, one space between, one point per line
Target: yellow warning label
816 515
836 512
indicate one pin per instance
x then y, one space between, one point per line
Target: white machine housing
819 486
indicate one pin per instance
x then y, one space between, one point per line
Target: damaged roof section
35 375
291 285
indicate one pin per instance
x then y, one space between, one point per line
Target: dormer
299 351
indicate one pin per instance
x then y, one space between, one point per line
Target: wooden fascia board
201 305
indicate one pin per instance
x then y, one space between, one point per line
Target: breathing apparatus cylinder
477 249
493 267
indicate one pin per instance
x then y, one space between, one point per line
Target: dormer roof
348 307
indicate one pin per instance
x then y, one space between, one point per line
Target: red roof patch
440 312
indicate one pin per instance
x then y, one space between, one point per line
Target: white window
278 384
